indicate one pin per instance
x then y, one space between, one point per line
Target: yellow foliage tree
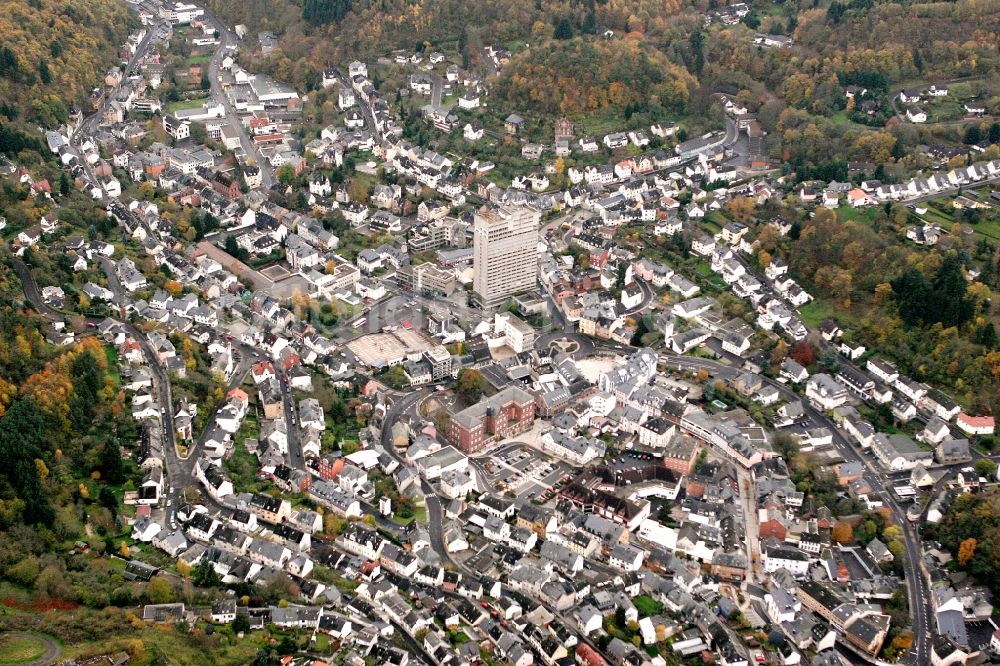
135 648
741 208
7 393
882 292
966 550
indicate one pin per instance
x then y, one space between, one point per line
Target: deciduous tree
966 550
842 532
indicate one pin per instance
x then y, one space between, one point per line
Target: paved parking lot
630 460
395 311
522 470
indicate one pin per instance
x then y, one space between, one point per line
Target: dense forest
53 53
318 12
61 415
574 76
63 419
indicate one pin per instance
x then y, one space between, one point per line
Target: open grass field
419 515
816 311
20 649
940 211
841 119
865 214
713 222
183 104
165 645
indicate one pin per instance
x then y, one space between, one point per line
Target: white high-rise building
505 253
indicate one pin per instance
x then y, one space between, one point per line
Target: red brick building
226 186
508 413
681 454
328 468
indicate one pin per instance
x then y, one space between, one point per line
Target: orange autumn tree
966 550
51 389
843 532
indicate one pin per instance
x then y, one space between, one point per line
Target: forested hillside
53 52
573 76
917 306
61 414
561 67
970 532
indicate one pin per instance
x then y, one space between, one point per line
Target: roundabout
565 345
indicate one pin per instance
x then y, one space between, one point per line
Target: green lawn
20 649
165 645
344 585
841 119
817 310
938 217
112 355
419 515
988 228
647 606
943 109
940 211
183 104
865 214
703 269
199 59
117 563
714 221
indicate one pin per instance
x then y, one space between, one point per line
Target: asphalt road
948 192
180 472
436 91
91 122
918 595
916 587
363 103
228 39
647 297
294 457
434 503
565 330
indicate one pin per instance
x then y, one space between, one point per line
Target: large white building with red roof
975 425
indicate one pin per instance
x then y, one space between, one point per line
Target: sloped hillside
589 74
53 52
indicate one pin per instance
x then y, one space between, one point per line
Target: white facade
504 253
